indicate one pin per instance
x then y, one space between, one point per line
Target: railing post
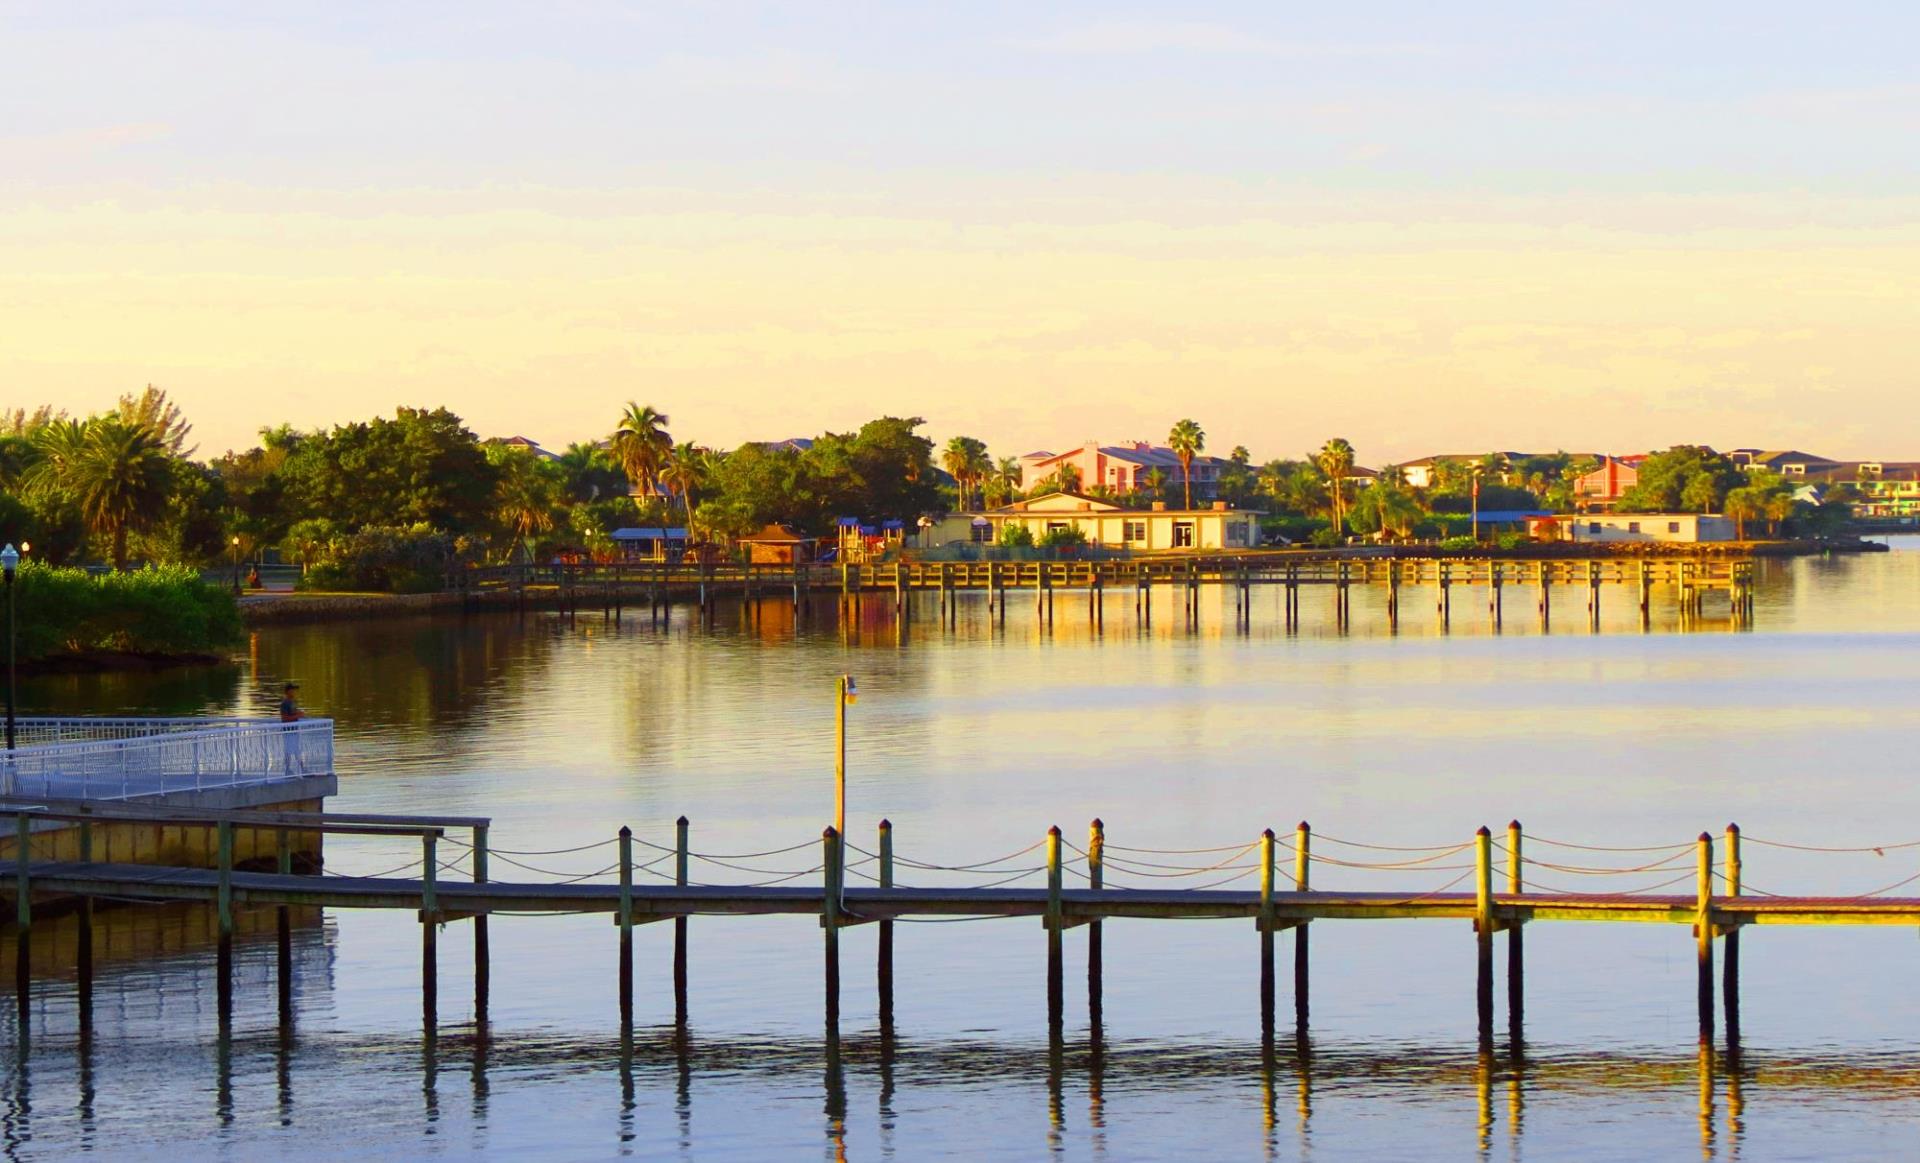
1703 934
625 919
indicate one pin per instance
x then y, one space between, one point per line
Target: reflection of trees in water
179 690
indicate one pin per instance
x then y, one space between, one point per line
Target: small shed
650 544
778 545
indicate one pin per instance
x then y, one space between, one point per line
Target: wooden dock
1690 581
1494 902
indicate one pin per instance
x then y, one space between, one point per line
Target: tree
153 411
683 474
590 472
1386 508
966 460
1005 480
1686 477
420 467
528 493
121 478
1335 461
1186 440
1744 505
641 445
1157 482
1066 479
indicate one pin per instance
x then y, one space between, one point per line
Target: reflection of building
778 545
1614 527
1105 524
1124 468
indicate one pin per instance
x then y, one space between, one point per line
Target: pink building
1604 485
1124 468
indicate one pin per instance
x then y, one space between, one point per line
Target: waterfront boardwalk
1715 909
1690 580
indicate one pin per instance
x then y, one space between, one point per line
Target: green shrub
387 559
1462 542
156 610
1016 537
1513 541
1324 538
1064 538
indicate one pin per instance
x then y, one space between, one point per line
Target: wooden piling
23 916
283 930
1266 933
482 954
1096 879
624 917
884 967
223 903
1730 970
680 858
83 992
1302 858
1483 930
1056 986
429 930
1494 579
1703 936
830 920
1545 579
1516 948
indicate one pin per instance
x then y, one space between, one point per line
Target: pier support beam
429 933
1516 946
624 918
830 857
83 985
1096 879
1483 932
283 932
23 919
1703 936
1730 969
223 903
1302 858
482 955
883 969
1056 981
680 924
1266 936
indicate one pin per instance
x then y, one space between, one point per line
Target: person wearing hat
290 711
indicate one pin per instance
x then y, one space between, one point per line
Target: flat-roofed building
1628 527
1105 524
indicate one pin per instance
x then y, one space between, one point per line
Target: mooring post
625 920
1516 948
884 969
1266 933
1483 930
1056 990
680 855
1096 879
223 839
1703 936
84 984
283 927
22 914
482 956
429 927
1302 857
1545 578
1498 576
830 920
1446 595
1730 972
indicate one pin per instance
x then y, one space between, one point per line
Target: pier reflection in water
972 736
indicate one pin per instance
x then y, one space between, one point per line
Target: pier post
1096 879
83 992
680 855
625 920
482 955
1495 575
22 915
1593 594
884 969
1546 595
429 930
1483 931
1730 971
1516 948
223 900
283 929
1056 988
1446 595
1646 594
1302 858
830 920
1266 934
1703 936
1393 596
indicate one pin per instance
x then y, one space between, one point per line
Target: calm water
973 740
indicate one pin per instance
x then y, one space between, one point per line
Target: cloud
1132 37
65 145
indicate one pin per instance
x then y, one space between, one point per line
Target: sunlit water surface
972 740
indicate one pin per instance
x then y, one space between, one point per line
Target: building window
1237 533
1183 535
1135 531
1633 526
1056 526
981 534
1673 526
1593 526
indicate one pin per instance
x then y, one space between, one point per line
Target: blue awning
849 522
655 534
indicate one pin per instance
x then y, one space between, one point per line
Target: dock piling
482 955
1302 856
223 833
1056 987
429 930
1730 971
83 991
283 930
884 968
625 919
1483 931
23 916
1703 936
1096 879
1516 948
830 921
1266 934
680 854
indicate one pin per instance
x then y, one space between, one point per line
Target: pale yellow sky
1423 228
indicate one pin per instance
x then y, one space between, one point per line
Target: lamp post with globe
10 564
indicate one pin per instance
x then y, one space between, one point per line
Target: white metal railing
126 758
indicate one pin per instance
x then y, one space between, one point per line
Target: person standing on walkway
290 711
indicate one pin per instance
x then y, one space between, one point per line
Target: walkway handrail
226 754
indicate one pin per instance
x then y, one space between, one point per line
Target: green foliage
1684 478
1461 542
1324 538
156 610
421 467
1067 537
389 559
1513 540
1015 537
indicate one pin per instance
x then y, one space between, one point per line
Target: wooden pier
1499 896
612 588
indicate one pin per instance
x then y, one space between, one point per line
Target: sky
1427 228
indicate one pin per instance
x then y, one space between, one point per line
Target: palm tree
965 459
1335 461
682 474
118 474
524 496
1157 483
1780 506
1006 477
1744 505
642 446
1186 440
1066 478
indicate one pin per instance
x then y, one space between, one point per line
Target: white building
1674 527
1106 524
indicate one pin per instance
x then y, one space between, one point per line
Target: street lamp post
236 565
848 694
10 563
